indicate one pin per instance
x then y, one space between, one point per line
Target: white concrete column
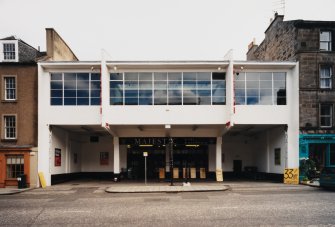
44 135
218 153
167 159
67 153
293 147
116 155
44 146
293 116
267 152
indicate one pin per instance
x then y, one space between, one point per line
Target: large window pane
56 76
56 85
131 101
190 76
145 76
219 100
70 76
70 101
56 93
131 76
160 76
77 90
263 88
116 76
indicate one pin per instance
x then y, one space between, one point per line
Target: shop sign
291 176
159 141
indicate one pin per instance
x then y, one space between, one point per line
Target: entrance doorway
193 156
237 167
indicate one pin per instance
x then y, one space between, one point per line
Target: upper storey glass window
264 88
326 41
167 88
76 89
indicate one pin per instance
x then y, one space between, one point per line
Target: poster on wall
58 157
104 157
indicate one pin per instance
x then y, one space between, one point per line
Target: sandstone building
312 44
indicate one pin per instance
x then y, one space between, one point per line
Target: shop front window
14 166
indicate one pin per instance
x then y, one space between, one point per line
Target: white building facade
99 117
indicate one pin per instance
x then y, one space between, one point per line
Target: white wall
90 156
277 139
75 148
59 138
237 148
68 144
161 115
256 151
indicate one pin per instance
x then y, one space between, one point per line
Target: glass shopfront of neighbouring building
190 158
316 152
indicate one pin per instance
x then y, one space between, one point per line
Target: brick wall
26 105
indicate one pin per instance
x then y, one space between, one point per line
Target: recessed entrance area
158 161
190 158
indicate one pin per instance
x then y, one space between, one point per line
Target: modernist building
311 43
18 106
101 117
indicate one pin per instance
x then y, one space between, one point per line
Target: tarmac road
244 204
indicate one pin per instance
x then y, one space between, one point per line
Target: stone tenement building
18 105
311 44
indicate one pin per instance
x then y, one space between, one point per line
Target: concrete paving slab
158 188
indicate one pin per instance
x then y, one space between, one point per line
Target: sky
153 29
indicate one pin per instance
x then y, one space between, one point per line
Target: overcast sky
153 29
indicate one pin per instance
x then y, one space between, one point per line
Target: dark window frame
331 106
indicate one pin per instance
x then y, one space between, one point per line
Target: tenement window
75 89
10 127
9 51
9 87
326 115
326 40
168 88
325 76
264 88
14 166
